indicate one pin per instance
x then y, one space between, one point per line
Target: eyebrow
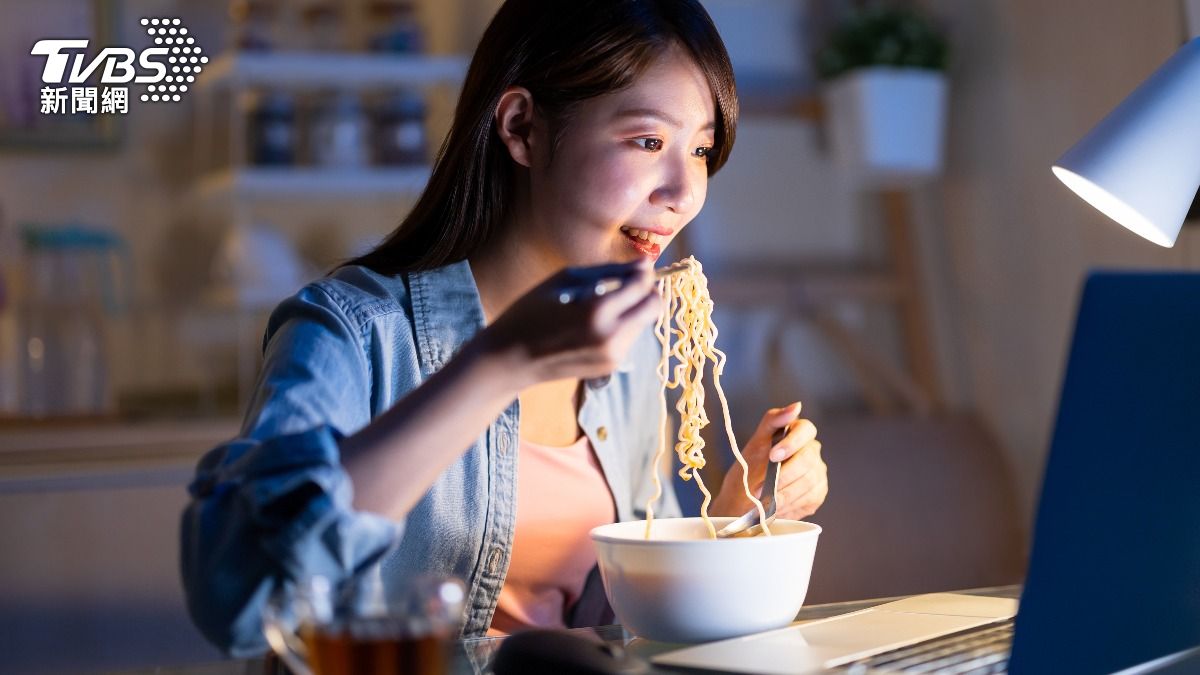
657 114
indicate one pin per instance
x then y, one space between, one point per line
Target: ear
515 116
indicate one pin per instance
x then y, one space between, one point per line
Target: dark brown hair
563 52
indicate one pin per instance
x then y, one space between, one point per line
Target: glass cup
362 627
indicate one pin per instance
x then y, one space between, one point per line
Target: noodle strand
686 331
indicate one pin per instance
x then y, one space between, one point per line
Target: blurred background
886 244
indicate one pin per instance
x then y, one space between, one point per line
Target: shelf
315 182
774 96
323 69
37 457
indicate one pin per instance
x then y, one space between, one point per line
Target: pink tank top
561 496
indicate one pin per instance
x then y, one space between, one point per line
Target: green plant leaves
883 36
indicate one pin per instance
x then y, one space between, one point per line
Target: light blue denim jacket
274 505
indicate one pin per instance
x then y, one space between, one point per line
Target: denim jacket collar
439 294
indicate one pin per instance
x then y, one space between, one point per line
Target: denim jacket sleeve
274 505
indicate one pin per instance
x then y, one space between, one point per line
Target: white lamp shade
1140 166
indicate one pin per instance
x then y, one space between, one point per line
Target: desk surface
474 653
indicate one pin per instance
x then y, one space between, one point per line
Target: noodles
692 342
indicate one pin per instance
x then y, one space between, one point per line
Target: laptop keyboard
974 652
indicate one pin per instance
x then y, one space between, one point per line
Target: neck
508 271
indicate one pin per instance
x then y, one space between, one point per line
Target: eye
703 151
650 144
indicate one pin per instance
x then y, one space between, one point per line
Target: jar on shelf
400 129
340 132
253 24
75 280
272 129
322 26
396 28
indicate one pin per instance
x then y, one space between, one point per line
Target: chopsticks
603 286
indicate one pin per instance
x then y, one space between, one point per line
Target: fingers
797 504
645 310
803 461
582 286
776 418
803 495
614 319
621 271
636 289
801 434
803 482
568 327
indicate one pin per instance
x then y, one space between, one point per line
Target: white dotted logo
76 83
185 59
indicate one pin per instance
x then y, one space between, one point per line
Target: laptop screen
1114 574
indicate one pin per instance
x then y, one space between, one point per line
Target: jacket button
493 562
602 433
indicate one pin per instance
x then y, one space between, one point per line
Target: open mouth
646 243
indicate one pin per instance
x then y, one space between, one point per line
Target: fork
750 524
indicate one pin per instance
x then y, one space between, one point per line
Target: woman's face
629 171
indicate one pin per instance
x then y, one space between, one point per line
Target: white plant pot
887 125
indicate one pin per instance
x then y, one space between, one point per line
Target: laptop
1113 583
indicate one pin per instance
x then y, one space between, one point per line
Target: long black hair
563 52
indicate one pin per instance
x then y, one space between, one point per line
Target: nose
682 187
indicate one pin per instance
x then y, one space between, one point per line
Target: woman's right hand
394 460
586 337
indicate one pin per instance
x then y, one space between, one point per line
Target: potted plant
885 94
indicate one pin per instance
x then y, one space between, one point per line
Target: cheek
616 184
610 192
701 193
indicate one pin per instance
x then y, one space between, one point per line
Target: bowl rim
813 530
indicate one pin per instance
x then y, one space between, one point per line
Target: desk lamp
1140 165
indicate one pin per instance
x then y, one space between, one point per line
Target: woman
399 395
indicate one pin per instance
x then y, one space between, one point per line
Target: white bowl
681 586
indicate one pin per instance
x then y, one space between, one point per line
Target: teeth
643 235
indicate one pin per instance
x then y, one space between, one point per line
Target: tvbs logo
167 68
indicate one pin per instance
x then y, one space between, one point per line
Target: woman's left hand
803 482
